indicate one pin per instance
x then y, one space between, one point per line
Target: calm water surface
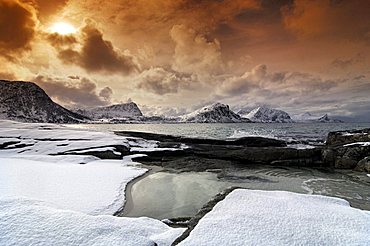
169 195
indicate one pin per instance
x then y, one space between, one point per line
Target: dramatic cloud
46 7
74 91
17 27
312 18
106 93
277 85
194 53
239 85
95 54
160 81
179 54
154 15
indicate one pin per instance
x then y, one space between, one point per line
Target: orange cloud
17 27
316 18
92 52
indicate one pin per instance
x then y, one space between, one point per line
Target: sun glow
62 28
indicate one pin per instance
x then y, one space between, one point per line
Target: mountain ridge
214 113
27 102
264 114
115 111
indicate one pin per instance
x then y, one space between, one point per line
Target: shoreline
128 204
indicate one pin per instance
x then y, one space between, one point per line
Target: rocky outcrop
363 165
212 154
27 102
347 149
169 139
205 154
346 137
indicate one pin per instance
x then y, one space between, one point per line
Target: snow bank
30 222
94 188
51 139
247 217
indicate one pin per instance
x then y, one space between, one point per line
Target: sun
62 28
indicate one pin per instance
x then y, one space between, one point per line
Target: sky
174 56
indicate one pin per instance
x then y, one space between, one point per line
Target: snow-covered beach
48 196
54 191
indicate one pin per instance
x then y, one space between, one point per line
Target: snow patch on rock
251 217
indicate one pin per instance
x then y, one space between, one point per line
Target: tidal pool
164 194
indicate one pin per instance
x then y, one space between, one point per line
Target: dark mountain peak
26 101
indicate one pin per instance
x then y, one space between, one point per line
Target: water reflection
168 195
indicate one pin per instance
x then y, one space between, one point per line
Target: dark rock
363 165
202 212
204 154
6 144
346 137
328 156
245 141
347 157
345 163
108 154
178 222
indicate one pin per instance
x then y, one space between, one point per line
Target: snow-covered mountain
25 101
308 117
215 113
117 111
268 115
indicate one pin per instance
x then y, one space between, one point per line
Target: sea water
311 132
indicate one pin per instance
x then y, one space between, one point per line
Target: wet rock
245 141
345 163
118 153
363 165
347 157
328 156
202 212
204 154
345 137
177 222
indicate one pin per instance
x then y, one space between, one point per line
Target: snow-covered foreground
34 164
30 222
250 217
50 197
93 188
